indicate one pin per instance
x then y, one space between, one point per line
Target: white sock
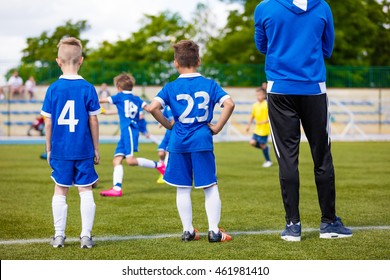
118 177
143 162
213 207
87 210
184 207
60 213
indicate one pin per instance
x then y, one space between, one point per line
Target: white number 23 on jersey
71 120
190 105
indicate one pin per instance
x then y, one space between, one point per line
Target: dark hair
187 53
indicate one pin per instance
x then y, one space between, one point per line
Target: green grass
251 201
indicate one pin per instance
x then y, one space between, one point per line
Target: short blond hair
70 50
125 81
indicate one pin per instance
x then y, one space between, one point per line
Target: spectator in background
3 83
30 87
15 84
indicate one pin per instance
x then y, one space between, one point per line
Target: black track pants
286 114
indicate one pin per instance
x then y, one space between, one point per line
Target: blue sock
266 153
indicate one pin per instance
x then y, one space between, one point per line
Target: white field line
159 236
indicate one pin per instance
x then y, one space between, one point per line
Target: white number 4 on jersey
71 121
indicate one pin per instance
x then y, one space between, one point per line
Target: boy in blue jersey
296 36
129 107
192 98
163 146
70 109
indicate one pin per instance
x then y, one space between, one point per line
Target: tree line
361 27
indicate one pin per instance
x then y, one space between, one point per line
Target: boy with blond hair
192 98
129 107
70 109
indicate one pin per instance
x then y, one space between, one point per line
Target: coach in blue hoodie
296 36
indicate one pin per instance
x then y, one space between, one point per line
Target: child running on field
70 109
262 129
192 98
129 107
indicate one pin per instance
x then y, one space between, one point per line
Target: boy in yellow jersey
262 129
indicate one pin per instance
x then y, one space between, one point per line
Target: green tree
152 43
147 53
43 48
361 27
38 57
235 44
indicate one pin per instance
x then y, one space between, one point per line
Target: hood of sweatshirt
299 6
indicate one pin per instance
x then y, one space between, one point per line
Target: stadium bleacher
359 112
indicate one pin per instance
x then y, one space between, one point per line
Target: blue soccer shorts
187 169
260 139
164 143
80 173
128 142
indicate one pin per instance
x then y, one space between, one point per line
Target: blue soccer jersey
69 102
129 107
192 99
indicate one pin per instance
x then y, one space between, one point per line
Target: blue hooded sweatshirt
295 36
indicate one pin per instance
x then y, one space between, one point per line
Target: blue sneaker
292 233
334 230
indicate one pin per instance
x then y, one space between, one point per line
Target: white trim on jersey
94 113
302 4
190 75
71 77
43 113
223 98
160 100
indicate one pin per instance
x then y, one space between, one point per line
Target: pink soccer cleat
111 192
161 168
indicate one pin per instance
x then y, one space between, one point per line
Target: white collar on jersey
127 91
71 77
190 75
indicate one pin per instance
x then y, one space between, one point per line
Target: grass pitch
144 223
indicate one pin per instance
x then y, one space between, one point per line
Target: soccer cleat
161 168
160 179
267 164
221 236
187 236
292 233
111 192
334 230
86 242
58 241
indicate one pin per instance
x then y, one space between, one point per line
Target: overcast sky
109 20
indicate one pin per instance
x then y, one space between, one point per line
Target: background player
129 107
70 108
192 98
162 149
262 130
